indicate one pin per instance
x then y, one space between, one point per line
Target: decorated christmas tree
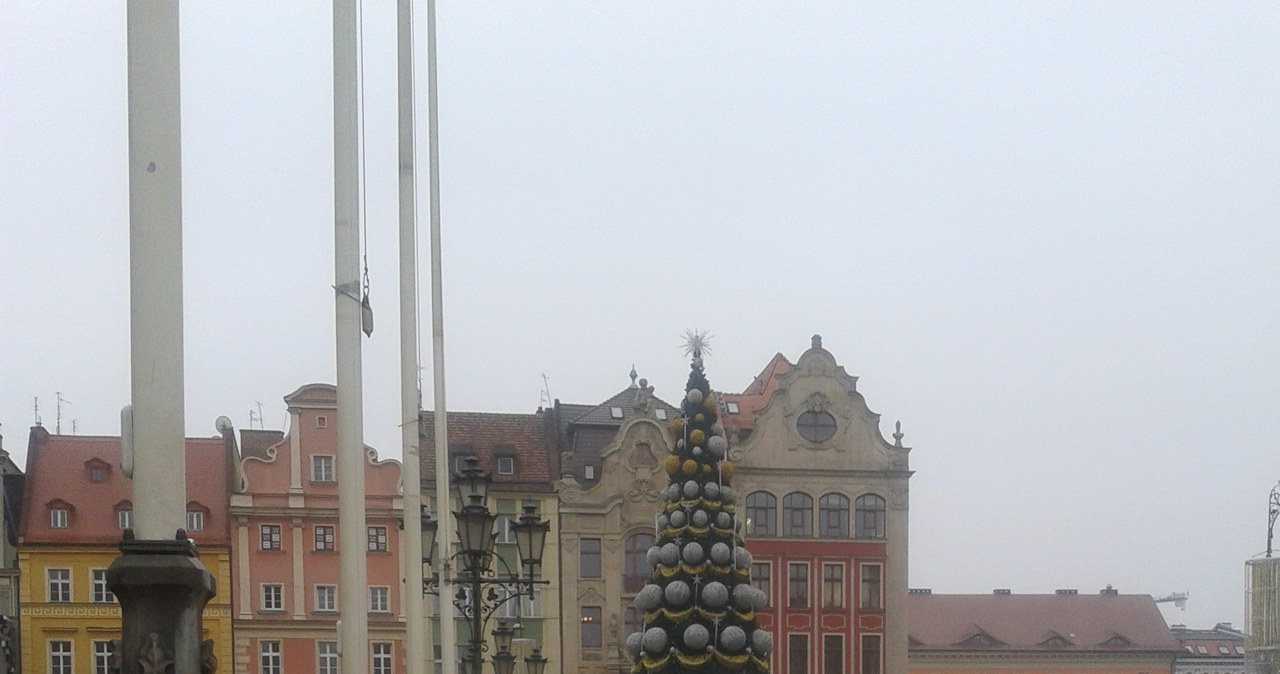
699 607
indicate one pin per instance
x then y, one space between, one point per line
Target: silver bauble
634 643
700 518
694 396
678 518
724 520
718 445
726 494
741 558
761 642
693 553
653 556
655 641
691 489
678 593
696 637
721 553
715 595
670 554
717 429
743 597
697 451
711 489
648 598
733 638
759 599
662 522
680 443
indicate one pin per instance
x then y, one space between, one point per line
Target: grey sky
1044 235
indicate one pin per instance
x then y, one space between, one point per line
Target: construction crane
1179 599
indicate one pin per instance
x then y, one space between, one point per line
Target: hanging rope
366 309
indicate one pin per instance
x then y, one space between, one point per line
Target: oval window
816 426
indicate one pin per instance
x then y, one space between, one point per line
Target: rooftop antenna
57 428
1272 513
75 427
37 407
546 401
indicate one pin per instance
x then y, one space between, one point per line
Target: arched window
635 563
833 516
869 516
797 515
762 518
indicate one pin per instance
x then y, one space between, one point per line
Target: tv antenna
546 400
37 408
57 428
256 418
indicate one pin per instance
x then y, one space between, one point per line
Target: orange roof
1038 622
60 472
755 396
486 435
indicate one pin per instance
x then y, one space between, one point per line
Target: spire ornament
696 342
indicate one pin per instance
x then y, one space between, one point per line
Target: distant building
1219 650
76 504
1061 633
11 482
284 504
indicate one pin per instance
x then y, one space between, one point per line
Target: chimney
1109 591
919 590
1068 591
1002 591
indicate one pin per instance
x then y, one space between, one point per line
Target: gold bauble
676 426
706 469
698 418
672 465
726 470
696 436
690 466
709 404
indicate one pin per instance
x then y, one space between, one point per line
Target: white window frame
376 538
524 607
63 585
322 468
101 657
65 658
124 518
381 657
264 594
660 414
503 527
277 536
329 592
58 518
322 421
195 520
330 538
510 467
99 593
269 658
382 593
615 412
731 406
326 657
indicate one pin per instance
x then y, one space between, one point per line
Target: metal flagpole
417 638
444 567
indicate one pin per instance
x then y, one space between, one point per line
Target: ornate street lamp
482 590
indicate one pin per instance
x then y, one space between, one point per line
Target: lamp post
482 589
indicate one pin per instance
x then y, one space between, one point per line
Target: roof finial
696 342
633 374
817 341
897 434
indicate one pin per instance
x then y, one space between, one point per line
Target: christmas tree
699 606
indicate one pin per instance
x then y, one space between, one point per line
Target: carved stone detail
898 497
208 661
153 658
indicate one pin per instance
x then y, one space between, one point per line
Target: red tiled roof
487 435
756 395
1037 622
58 468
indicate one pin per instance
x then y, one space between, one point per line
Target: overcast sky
1044 236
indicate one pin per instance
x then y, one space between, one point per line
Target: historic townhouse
75 506
514 450
285 510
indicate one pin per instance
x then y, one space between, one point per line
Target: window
1222 650
124 518
797 654
59 657
870 654
59 585
1202 650
591 628
660 414
798 585
195 520
761 514
58 518
833 516
832 654
517 608
322 421
816 426
589 472
589 557
761 577
615 412
832 586
321 468
95 475
631 622
270 536
869 516
98 583
732 407
380 651
324 537
797 515
379 600
269 657
869 593
326 598
503 527
377 539
102 657
326 656
272 597
635 562
506 465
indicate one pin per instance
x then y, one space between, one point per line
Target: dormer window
322 421
506 465
732 407
196 516
57 518
124 518
615 412
97 469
